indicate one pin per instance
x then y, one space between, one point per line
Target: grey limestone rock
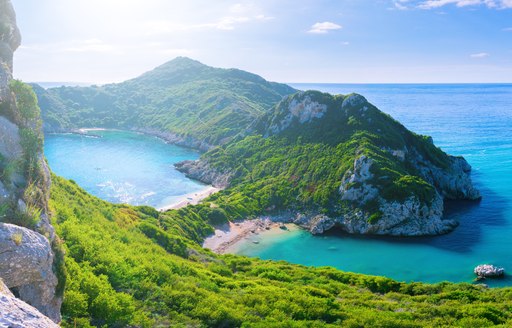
10 146
301 109
204 172
26 261
489 271
15 313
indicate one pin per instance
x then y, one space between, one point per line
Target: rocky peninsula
394 186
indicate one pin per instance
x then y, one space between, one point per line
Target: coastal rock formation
382 180
489 271
204 172
26 256
301 109
180 140
26 262
15 313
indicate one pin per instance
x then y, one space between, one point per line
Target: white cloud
90 45
400 4
508 29
434 4
227 23
324 27
480 55
345 43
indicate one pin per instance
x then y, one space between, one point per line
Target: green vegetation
301 167
26 114
134 266
183 97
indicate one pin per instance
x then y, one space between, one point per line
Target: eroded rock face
26 257
15 313
10 146
10 40
204 172
26 261
301 109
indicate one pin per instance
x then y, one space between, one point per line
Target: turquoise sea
471 120
121 166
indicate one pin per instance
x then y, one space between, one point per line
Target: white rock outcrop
301 109
489 271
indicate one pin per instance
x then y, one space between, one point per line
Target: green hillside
183 97
302 157
133 266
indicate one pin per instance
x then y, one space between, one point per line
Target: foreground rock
26 256
26 261
489 271
15 313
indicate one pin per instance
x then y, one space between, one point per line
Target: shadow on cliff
473 217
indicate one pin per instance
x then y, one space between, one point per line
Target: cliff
27 261
337 161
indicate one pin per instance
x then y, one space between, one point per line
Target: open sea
472 120
122 166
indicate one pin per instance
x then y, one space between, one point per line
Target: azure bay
464 119
469 120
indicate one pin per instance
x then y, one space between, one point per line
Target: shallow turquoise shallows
474 121
121 166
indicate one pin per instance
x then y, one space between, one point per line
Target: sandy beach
228 236
190 199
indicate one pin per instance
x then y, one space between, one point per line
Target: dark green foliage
182 96
118 277
301 168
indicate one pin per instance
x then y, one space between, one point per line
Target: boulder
26 261
489 271
15 313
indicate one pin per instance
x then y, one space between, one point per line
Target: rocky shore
229 235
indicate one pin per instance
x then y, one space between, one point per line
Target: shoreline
190 199
228 236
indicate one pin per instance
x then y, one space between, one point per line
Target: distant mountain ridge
183 100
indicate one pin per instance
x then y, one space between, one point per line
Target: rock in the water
489 271
26 261
18 314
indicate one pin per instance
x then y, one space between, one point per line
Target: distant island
314 159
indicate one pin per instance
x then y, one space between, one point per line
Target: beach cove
482 115
125 167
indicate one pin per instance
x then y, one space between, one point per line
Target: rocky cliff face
26 256
204 172
15 313
362 189
385 180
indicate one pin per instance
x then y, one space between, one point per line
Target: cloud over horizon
324 27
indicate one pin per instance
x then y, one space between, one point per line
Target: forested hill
196 105
336 161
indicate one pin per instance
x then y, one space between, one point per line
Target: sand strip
228 236
190 199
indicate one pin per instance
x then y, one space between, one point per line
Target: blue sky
345 41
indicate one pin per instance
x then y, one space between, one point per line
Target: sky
312 41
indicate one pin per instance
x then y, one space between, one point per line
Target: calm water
122 167
470 120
